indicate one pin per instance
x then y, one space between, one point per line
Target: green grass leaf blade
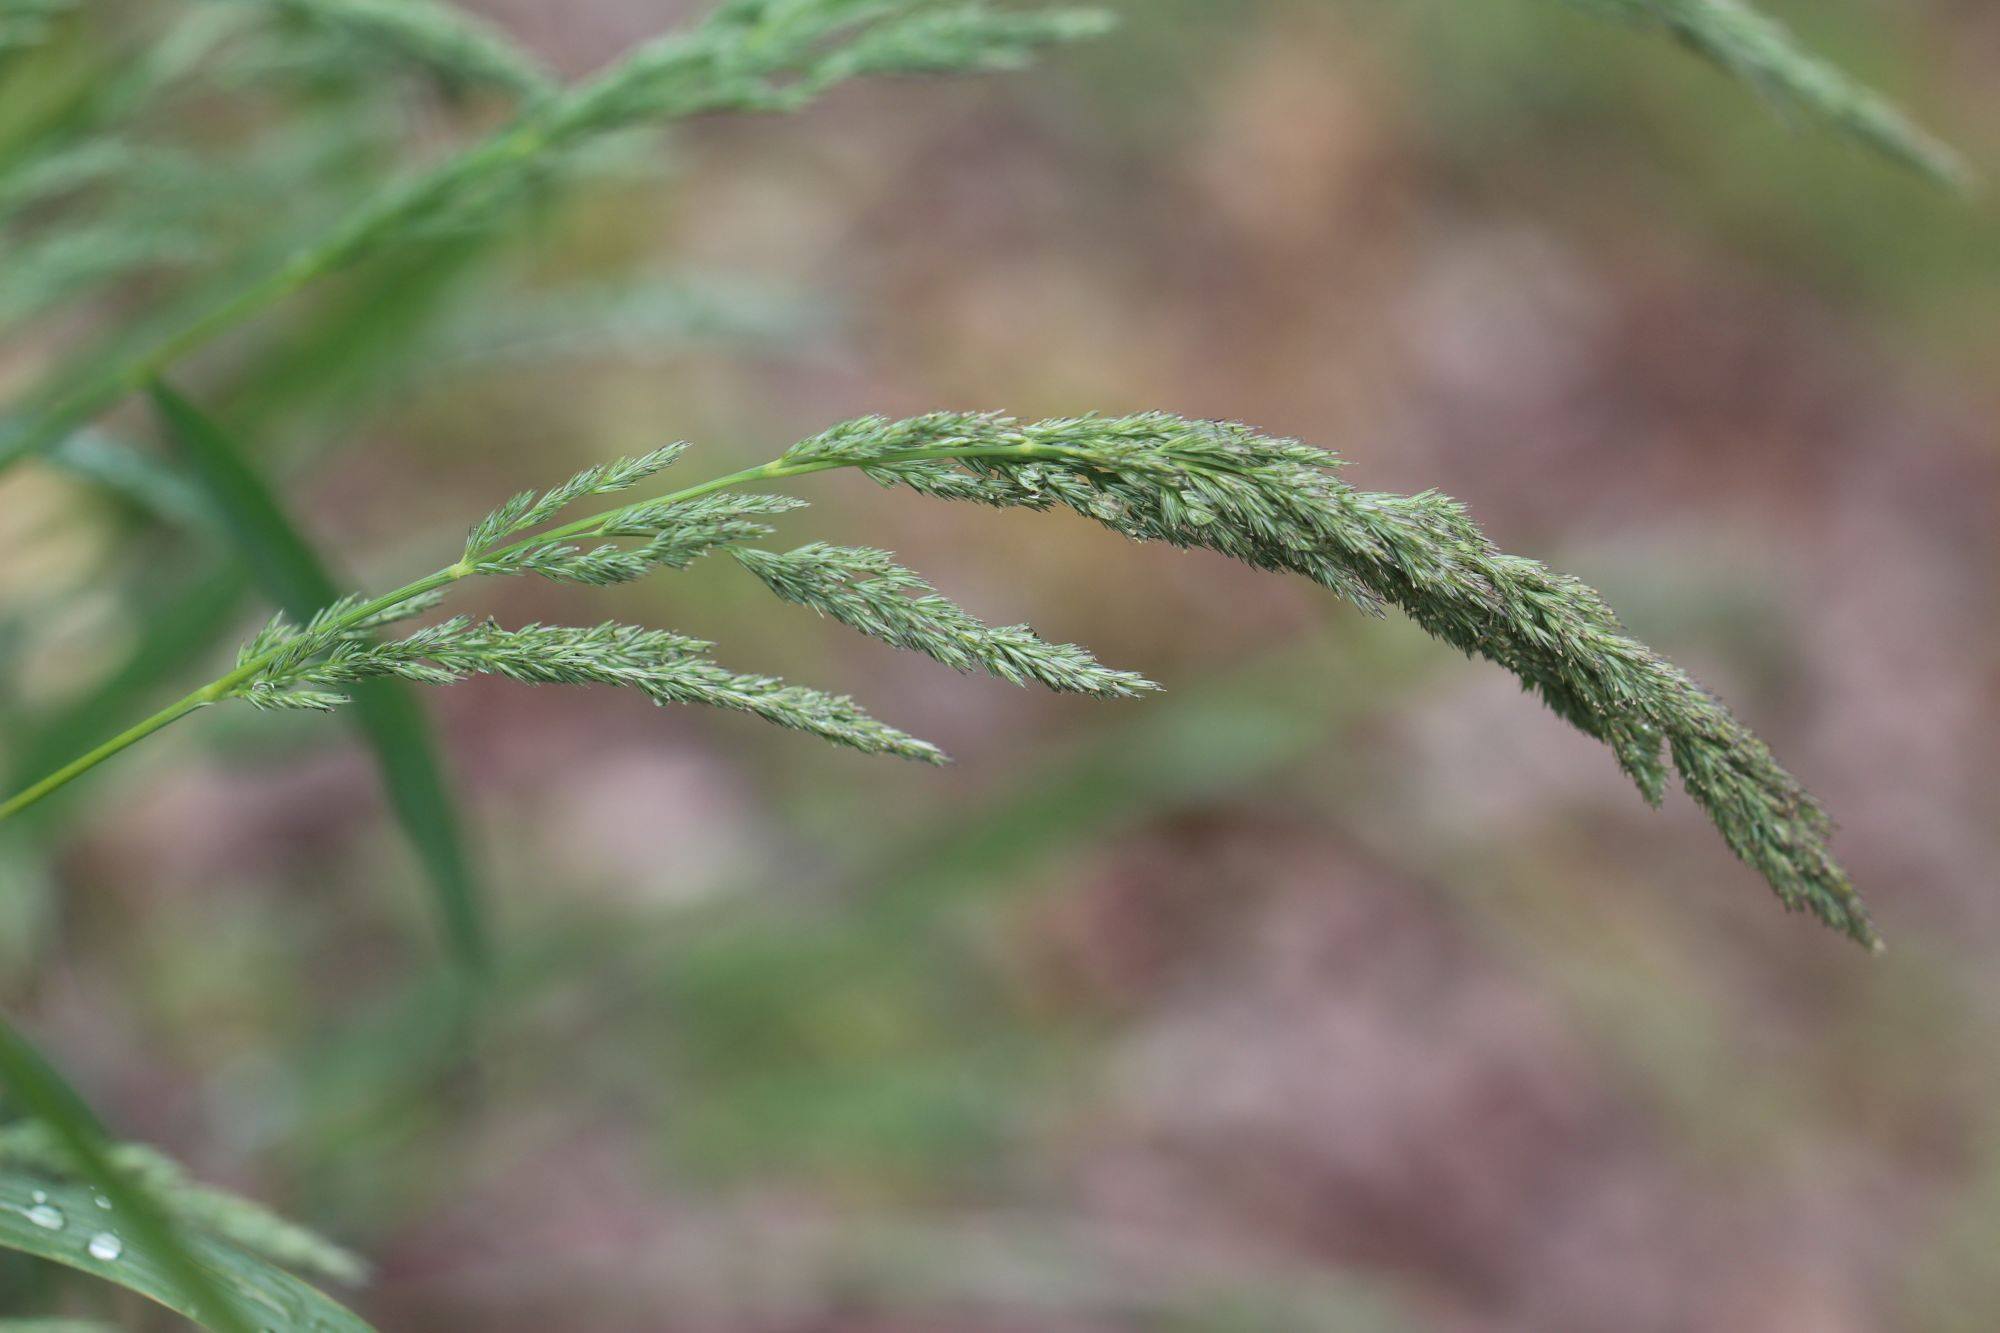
138 480
272 1298
175 1275
392 722
1745 42
400 732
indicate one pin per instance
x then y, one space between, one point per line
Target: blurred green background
1341 987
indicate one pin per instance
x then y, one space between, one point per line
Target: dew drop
106 1246
45 1217
39 1197
102 1202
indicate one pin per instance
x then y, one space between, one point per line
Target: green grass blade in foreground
103 1243
174 1275
393 723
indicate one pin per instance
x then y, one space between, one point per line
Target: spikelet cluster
667 668
1279 505
676 533
867 590
305 667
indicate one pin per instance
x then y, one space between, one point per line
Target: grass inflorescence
1275 504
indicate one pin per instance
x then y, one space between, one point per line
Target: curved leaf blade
1744 41
47 1096
391 721
92 1240
142 482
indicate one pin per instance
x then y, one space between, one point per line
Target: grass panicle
1274 504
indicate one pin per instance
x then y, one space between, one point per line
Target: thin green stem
226 686
83 763
779 470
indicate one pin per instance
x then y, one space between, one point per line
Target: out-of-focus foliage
64 1224
1763 54
435 36
27 22
747 56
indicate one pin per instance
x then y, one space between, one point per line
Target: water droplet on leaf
46 1217
106 1246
